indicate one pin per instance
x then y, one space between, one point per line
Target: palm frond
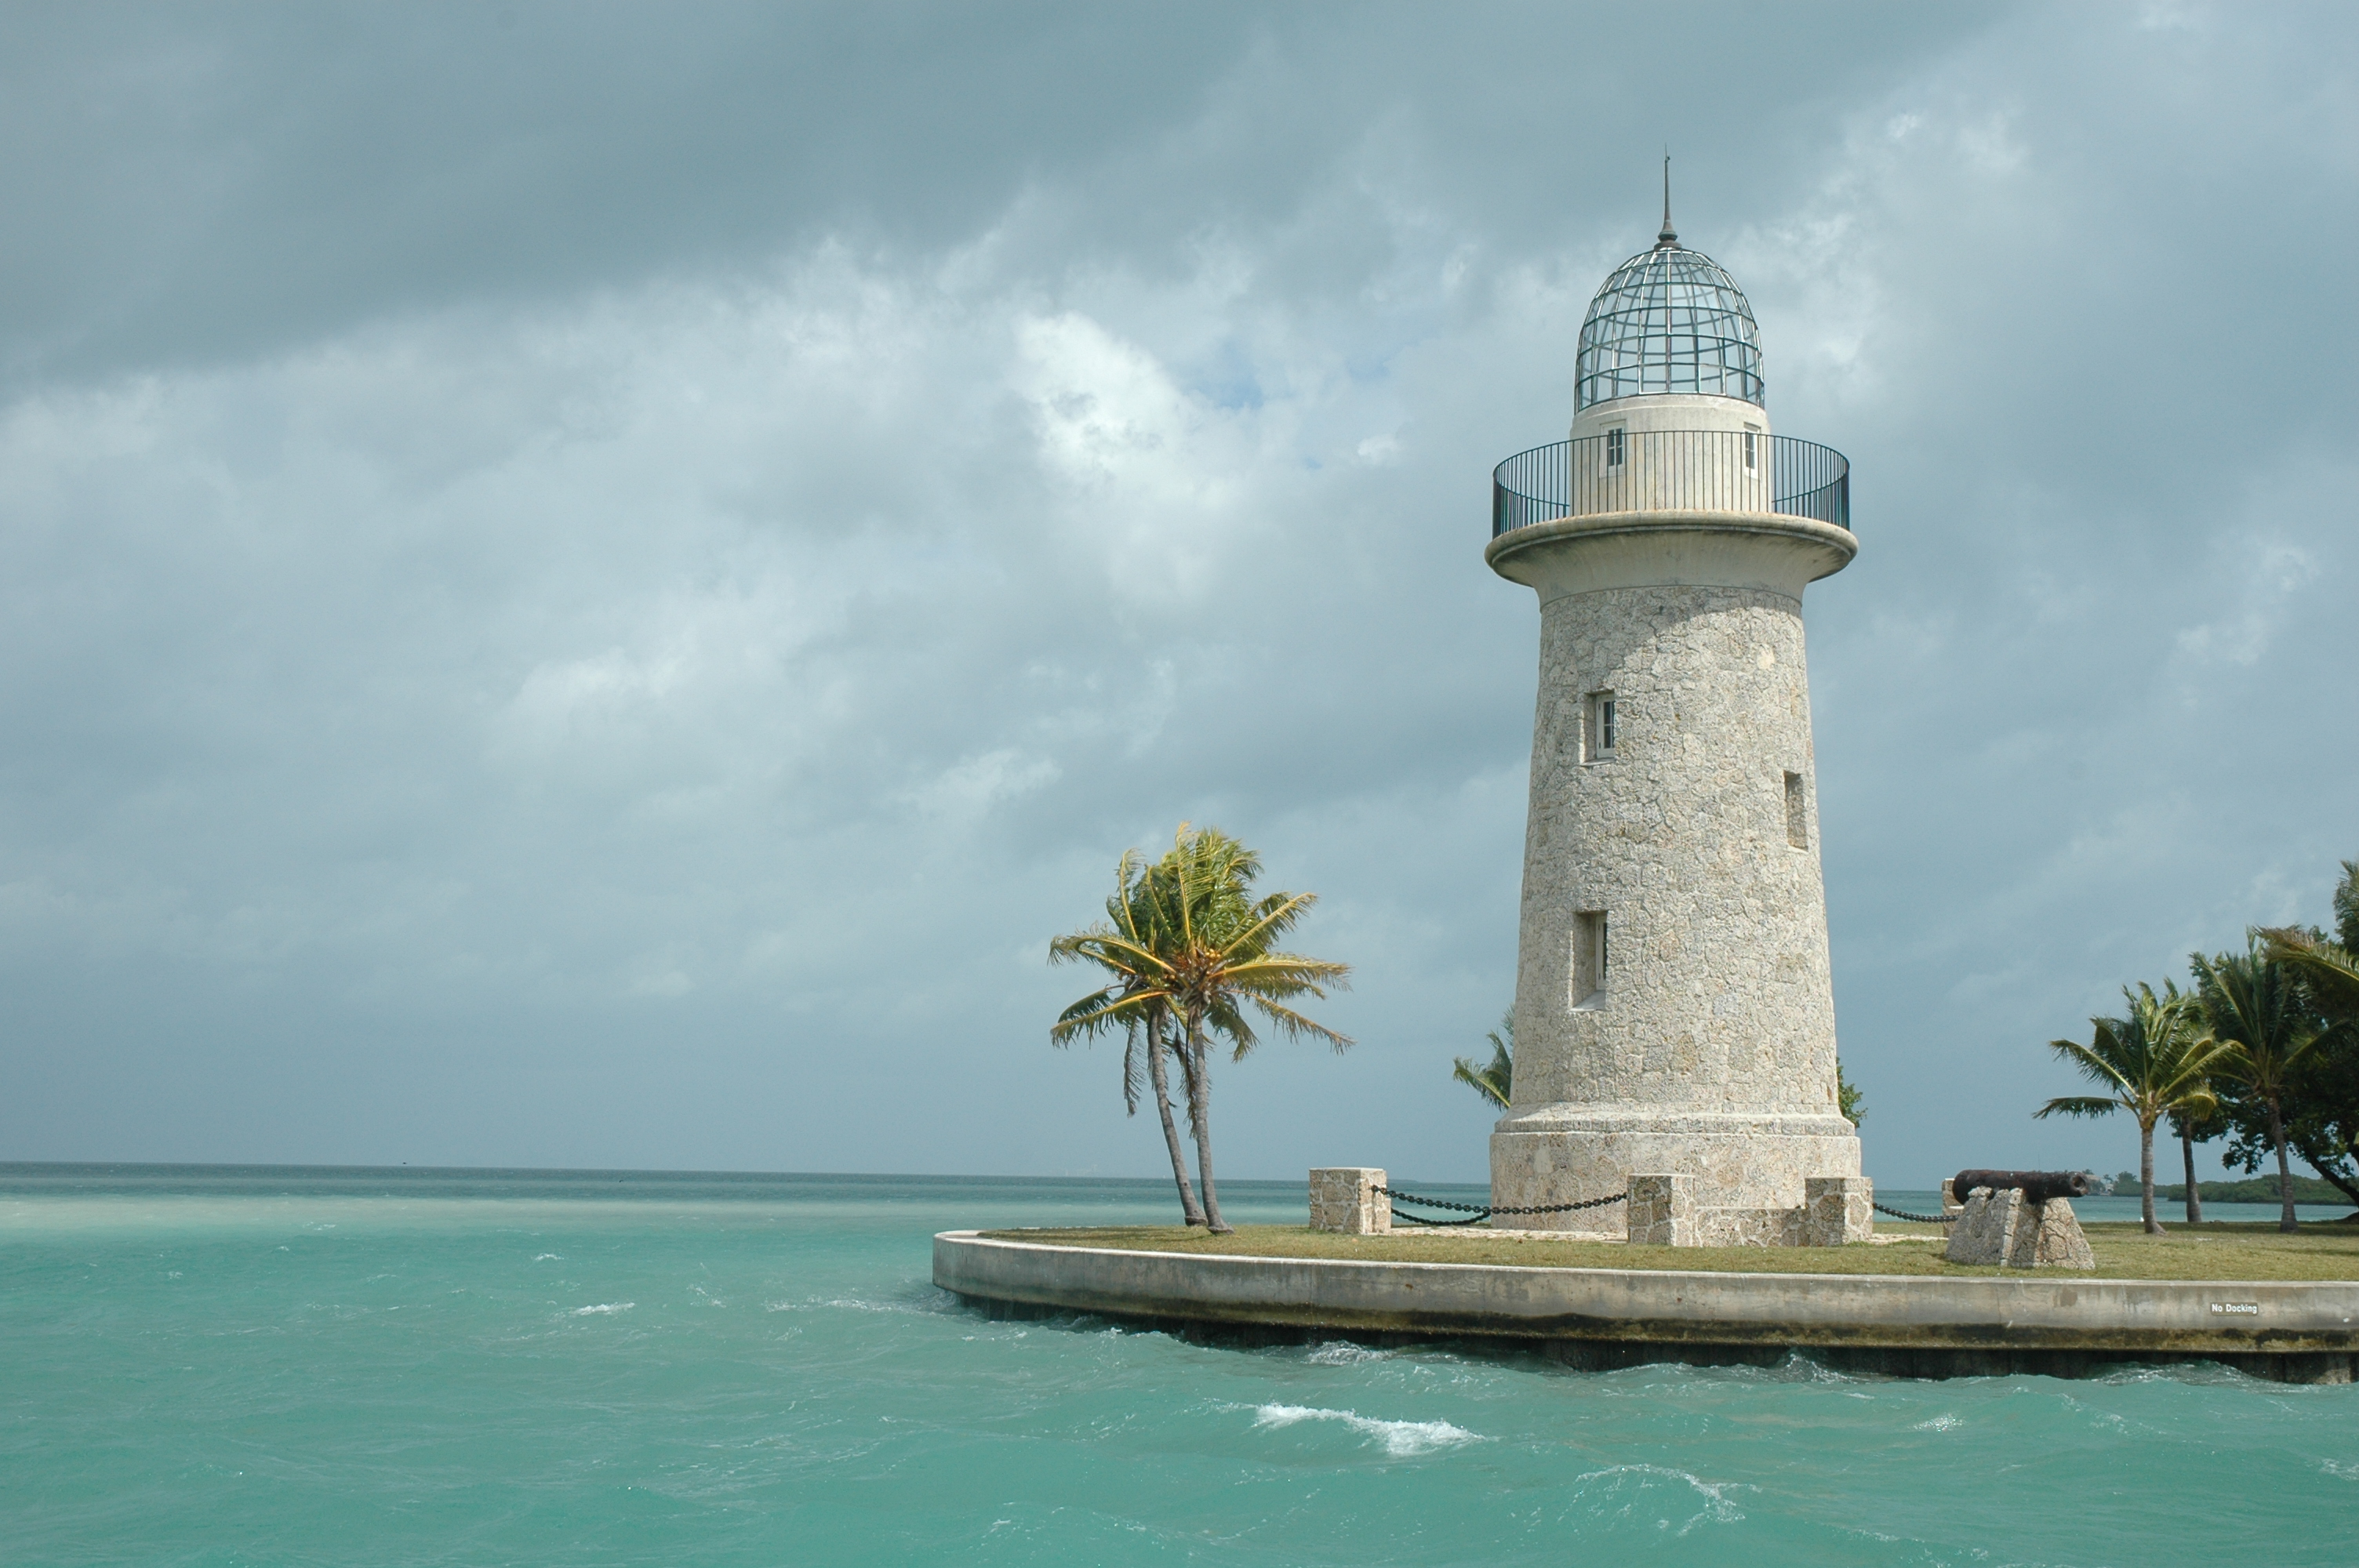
2332 970
2078 1105
1097 1013
1222 1017
1294 1026
2098 1061
1070 947
1109 950
1494 1083
2203 1060
1291 969
1134 1072
1270 920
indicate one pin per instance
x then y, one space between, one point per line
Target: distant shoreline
2308 1190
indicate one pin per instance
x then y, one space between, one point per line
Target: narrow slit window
1615 443
1752 449
1604 726
1798 814
1589 960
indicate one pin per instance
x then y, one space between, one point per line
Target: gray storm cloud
587 585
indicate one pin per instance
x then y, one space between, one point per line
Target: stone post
1663 1211
1344 1199
1835 1210
2000 1228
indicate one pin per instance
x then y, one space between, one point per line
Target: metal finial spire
1670 236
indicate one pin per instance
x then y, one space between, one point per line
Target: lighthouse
1674 1010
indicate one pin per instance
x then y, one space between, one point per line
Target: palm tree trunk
2285 1175
1189 1208
1199 1112
2194 1198
2145 1178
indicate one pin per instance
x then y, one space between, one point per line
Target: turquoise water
278 1366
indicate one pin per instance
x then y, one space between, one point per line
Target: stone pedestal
1662 1212
1669 1210
2001 1228
1344 1199
1755 1162
1836 1210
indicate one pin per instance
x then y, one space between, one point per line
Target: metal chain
1919 1218
1566 1207
1481 1212
1443 1224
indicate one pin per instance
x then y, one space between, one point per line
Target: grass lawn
2225 1251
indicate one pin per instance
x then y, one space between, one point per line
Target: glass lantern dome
1667 320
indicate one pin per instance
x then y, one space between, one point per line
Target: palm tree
1132 947
2153 1061
2330 972
1222 957
2192 1127
2254 1003
1495 1083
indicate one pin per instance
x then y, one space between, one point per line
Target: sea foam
1343 1353
1402 1439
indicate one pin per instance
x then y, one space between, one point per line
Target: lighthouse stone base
1749 1179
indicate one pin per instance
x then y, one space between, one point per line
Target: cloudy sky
588 585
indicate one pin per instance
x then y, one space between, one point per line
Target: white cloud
2266 573
974 785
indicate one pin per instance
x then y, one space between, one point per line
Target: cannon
2036 1186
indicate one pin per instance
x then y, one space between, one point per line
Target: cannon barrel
2038 1186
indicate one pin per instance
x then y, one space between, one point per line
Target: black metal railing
1671 470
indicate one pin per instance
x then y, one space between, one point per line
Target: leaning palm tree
2255 1002
2155 1061
1131 947
1223 959
1495 1083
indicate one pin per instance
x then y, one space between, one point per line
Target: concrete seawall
1905 1323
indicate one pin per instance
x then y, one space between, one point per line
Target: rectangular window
1798 814
1752 450
1613 448
1589 960
1605 730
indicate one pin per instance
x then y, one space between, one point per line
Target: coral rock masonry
2001 1227
1348 1198
1674 1008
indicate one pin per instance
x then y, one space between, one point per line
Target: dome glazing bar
1668 320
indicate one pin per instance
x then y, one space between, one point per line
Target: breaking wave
1401 1439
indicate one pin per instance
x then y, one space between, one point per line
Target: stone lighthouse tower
1674 1015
